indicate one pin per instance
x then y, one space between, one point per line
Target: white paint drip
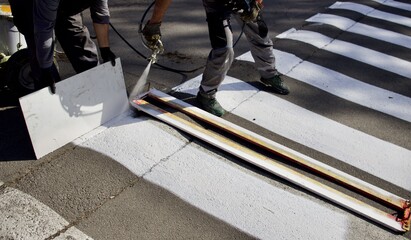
349 25
362 54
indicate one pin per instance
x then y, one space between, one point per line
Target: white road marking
259 206
136 143
341 85
349 25
362 54
24 217
371 12
265 210
395 4
377 157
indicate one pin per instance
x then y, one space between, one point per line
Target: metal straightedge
400 221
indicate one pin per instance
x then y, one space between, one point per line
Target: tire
18 72
18 76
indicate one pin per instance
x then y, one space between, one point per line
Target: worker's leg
75 40
221 56
218 62
261 47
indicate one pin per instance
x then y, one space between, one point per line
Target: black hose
145 57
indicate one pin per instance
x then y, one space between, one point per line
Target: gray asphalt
116 204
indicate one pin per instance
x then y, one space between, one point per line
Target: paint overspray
139 88
141 83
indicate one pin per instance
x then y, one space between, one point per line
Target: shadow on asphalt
15 143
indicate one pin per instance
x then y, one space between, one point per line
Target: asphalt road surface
349 69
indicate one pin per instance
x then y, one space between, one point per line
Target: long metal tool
400 222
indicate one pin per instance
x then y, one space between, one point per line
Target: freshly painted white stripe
265 210
360 8
362 54
24 217
257 205
72 233
395 4
379 158
349 25
136 143
254 137
371 12
341 85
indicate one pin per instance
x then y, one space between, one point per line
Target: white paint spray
141 82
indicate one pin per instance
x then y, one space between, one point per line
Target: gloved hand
108 55
48 78
251 14
152 34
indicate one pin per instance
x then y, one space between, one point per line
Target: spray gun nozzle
153 57
158 49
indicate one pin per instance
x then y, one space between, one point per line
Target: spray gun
154 44
156 49
151 39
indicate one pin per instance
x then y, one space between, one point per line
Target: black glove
48 78
152 34
108 55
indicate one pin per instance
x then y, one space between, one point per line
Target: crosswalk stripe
371 12
341 85
265 210
349 25
377 157
24 217
359 53
395 4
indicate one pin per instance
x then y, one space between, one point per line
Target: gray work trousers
222 54
73 36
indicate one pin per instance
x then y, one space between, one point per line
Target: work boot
277 84
210 104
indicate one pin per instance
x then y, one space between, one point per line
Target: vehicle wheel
18 72
19 77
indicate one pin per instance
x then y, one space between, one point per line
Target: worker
218 13
41 20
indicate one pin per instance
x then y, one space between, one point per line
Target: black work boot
209 103
277 84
